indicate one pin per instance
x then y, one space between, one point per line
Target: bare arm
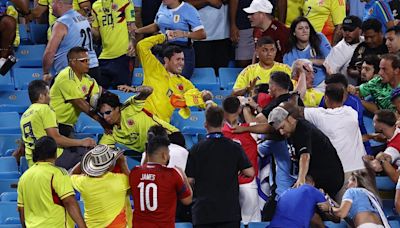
249 172
63 141
132 38
370 106
303 169
74 211
341 211
96 33
138 22
22 5
187 200
337 34
38 11
282 9
22 216
123 165
260 128
144 92
57 35
76 169
149 29
248 115
198 4
234 33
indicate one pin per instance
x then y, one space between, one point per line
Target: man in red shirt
264 24
248 192
156 188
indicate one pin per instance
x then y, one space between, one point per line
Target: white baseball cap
263 6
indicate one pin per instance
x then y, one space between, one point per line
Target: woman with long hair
181 22
306 43
360 203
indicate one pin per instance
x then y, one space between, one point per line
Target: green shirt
380 92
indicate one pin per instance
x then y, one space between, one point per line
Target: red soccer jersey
155 189
395 141
279 33
249 146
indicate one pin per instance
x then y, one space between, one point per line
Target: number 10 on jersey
148 196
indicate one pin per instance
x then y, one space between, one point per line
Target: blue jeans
279 150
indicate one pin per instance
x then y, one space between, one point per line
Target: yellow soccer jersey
67 87
34 122
11 11
135 122
294 10
99 191
321 12
164 84
312 98
41 190
256 71
111 17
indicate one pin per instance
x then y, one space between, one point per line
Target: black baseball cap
351 23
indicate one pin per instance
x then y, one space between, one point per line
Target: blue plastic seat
23 76
122 95
8 168
9 213
9 123
39 33
30 55
8 141
330 224
388 207
394 223
183 225
14 101
7 185
137 78
192 125
385 183
227 77
9 196
220 95
131 162
6 82
86 124
258 224
204 78
24 35
23 164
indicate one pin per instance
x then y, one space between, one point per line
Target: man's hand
131 49
234 34
126 88
47 77
88 142
373 163
324 206
352 89
299 183
206 95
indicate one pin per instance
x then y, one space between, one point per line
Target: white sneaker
2 61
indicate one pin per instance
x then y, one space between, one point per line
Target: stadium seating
8 168
6 82
8 196
131 162
30 55
192 125
86 124
8 141
137 78
183 225
23 76
9 213
204 78
122 95
258 224
384 183
394 223
9 123
24 35
39 33
388 207
330 224
220 95
7 185
227 77
14 101
370 129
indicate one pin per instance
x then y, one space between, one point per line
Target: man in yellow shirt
40 120
114 25
130 120
72 91
326 16
259 73
171 90
104 193
303 78
45 192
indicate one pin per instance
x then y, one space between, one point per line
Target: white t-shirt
215 21
178 156
340 125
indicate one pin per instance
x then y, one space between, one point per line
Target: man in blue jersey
380 10
70 30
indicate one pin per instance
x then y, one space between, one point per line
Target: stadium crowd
289 145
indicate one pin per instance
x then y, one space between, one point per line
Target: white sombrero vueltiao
98 160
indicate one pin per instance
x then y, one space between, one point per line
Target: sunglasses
106 113
82 60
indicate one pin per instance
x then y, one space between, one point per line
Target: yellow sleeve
62 184
108 139
95 23
242 81
20 198
69 90
150 64
338 11
11 11
130 12
193 97
76 181
49 120
135 106
43 2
